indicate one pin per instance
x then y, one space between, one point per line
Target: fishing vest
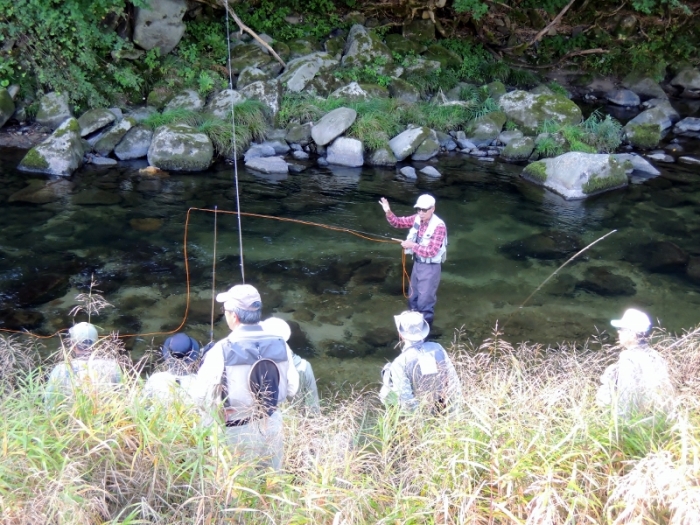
255 374
429 375
435 221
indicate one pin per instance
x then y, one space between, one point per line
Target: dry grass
529 446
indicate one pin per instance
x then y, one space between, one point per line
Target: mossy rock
248 55
334 46
402 90
528 111
399 44
484 130
159 96
496 90
536 171
282 50
615 178
95 119
109 140
302 47
376 91
178 147
519 149
60 154
364 47
54 109
419 30
643 136
7 106
446 57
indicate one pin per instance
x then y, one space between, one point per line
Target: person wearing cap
82 369
308 391
249 372
423 374
427 242
639 381
180 355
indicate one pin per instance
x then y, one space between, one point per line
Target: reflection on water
338 290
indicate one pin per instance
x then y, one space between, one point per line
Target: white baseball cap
83 333
277 326
243 296
425 201
633 320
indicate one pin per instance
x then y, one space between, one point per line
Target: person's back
423 374
85 371
180 355
639 381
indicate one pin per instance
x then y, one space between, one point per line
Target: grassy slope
529 447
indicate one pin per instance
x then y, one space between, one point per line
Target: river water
127 230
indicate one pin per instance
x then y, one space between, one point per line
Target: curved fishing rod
213 278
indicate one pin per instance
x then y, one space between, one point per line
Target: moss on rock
644 136
536 171
616 178
35 161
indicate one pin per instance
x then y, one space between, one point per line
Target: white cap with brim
278 327
243 296
425 201
83 333
633 320
412 326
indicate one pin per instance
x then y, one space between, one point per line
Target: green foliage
557 88
320 17
369 73
595 134
605 133
536 170
660 6
644 136
476 8
548 146
65 45
249 117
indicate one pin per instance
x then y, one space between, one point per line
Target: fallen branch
597 51
244 28
553 23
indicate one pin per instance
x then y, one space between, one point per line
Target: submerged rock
659 256
551 244
603 281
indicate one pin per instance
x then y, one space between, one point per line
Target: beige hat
633 320
243 296
277 326
412 326
83 333
425 201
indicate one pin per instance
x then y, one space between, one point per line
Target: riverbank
530 446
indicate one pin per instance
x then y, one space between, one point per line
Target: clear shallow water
340 290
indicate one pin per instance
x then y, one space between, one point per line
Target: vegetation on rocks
528 445
616 178
594 135
536 170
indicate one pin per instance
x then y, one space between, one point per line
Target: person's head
277 326
411 326
83 336
633 326
181 348
242 305
425 207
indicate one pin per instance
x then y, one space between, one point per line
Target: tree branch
553 23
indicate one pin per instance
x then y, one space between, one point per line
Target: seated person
307 394
423 373
180 355
639 380
84 368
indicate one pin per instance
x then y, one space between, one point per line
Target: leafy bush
605 133
595 134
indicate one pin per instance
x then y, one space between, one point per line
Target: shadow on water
337 290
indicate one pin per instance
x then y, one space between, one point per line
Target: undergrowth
528 446
596 134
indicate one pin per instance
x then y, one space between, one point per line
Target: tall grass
529 446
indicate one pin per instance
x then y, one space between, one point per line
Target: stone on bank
576 175
60 154
178 147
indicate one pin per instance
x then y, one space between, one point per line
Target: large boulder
95 119
249 55
178 147
662 114
108 141
576 175
7 106
333 125
135 143
60 154
402 90
406 142
299 134
623 97
601 280
251 74
346 152
427 149
188 99
485 129
643 86
636 163
54 109
301 71
446 57
382 157
659 256
688 79
364 47
546 245
402 45
159 25
220 104
528 111
352 91
268 92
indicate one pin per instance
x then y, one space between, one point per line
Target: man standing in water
427 241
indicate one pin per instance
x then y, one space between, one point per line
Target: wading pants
261 440
425 279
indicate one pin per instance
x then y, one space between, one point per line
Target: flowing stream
506 237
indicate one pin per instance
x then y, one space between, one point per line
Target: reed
528 446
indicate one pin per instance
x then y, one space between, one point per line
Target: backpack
430 377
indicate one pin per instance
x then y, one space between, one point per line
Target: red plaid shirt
435 241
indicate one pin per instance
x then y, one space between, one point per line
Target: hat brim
617 323
425 330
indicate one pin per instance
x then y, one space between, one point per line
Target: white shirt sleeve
292 375
209 376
